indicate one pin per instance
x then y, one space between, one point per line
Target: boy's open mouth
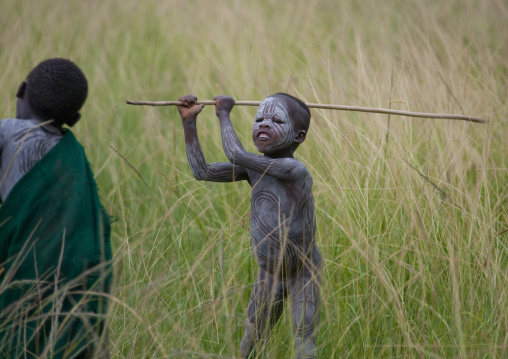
263 136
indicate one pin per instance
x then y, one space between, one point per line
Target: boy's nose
264 124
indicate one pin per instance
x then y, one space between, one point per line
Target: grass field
412 213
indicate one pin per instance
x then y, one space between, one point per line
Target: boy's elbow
199 175
231 157
235 156
197 169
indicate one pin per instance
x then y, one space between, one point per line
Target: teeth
263 135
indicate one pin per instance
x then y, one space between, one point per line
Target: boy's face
273 129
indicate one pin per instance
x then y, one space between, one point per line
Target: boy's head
55 89
281 124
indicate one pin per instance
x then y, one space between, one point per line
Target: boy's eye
259 119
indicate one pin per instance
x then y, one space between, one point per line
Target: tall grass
412 213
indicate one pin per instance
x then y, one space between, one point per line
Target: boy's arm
203 171
287 169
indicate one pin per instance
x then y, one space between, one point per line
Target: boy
54 235
283 223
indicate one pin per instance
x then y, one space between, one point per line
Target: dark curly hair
57 89
297 108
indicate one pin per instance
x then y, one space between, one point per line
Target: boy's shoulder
7 123
295 169
297 164
15 125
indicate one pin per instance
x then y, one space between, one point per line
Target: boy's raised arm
283 168
203 171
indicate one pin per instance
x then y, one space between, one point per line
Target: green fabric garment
54 252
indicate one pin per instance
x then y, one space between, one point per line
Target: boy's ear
73 120
300 136
21 90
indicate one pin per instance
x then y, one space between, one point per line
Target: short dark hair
57 89
299 112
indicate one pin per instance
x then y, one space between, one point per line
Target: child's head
55 89
281 124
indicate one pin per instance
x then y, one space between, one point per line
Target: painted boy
283 219
54 235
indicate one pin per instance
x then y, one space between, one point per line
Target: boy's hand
223 104
190 109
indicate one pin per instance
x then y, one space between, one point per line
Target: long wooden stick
328 107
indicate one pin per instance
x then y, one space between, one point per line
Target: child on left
55 250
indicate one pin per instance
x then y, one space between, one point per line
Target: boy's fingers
224 100
219 98
188 100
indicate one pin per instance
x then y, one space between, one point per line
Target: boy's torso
283 222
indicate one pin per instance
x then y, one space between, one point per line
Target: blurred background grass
411 212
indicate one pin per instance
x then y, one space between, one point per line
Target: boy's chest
270 194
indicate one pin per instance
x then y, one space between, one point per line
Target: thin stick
328 107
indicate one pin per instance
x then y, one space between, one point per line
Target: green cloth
54 246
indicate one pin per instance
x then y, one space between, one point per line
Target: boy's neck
283 154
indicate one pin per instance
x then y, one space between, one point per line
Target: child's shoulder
299 164
297 169
14 125
13 130
7 123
